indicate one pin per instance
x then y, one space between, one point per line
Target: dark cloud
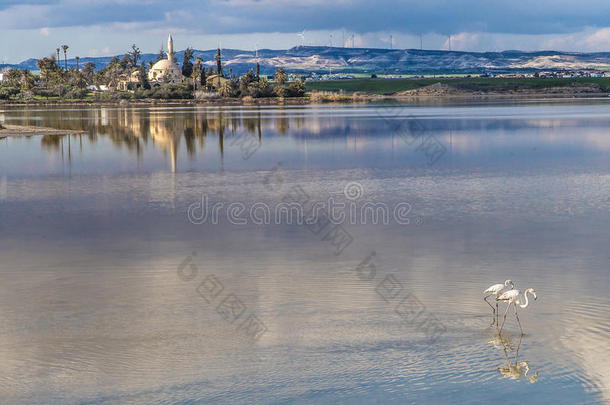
245 16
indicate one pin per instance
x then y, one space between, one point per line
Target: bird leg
492 307
504 320
517 316
497 315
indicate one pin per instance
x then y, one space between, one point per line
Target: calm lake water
116 288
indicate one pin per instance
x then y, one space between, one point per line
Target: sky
35 28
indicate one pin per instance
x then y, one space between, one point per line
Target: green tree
77 63
187 62
230 89
143 77
110 74
76 80
134 56
245 81
28 80
89 72
12 78
65 49
125 64
295 89
49 71
203 78
161 54
280 76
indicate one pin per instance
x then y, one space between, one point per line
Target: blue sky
34 28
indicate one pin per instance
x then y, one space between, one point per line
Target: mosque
166 70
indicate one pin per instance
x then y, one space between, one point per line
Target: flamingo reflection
513 369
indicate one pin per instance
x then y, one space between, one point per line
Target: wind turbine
302 36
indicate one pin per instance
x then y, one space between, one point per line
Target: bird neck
526 300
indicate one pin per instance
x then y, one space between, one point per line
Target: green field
389 86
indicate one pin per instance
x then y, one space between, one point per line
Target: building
166 70
129 82
216 82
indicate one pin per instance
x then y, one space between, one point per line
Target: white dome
165 70
164 64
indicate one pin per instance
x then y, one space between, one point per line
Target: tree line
71 82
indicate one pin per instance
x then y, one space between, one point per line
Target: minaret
170 48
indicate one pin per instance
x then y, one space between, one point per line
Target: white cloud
464 41
589 40
475 25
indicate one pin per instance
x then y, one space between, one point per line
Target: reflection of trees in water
163 128
50 142
282 125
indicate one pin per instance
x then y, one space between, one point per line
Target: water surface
100 304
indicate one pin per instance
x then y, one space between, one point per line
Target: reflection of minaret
173 155
170 48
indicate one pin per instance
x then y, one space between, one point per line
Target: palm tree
65 49
77 60
57 60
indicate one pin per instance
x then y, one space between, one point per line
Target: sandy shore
19 130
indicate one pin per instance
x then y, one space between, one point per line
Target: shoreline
13 131
322 98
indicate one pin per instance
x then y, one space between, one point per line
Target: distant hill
368 60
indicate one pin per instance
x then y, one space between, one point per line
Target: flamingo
497 290
515 298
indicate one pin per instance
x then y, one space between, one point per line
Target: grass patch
484 84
